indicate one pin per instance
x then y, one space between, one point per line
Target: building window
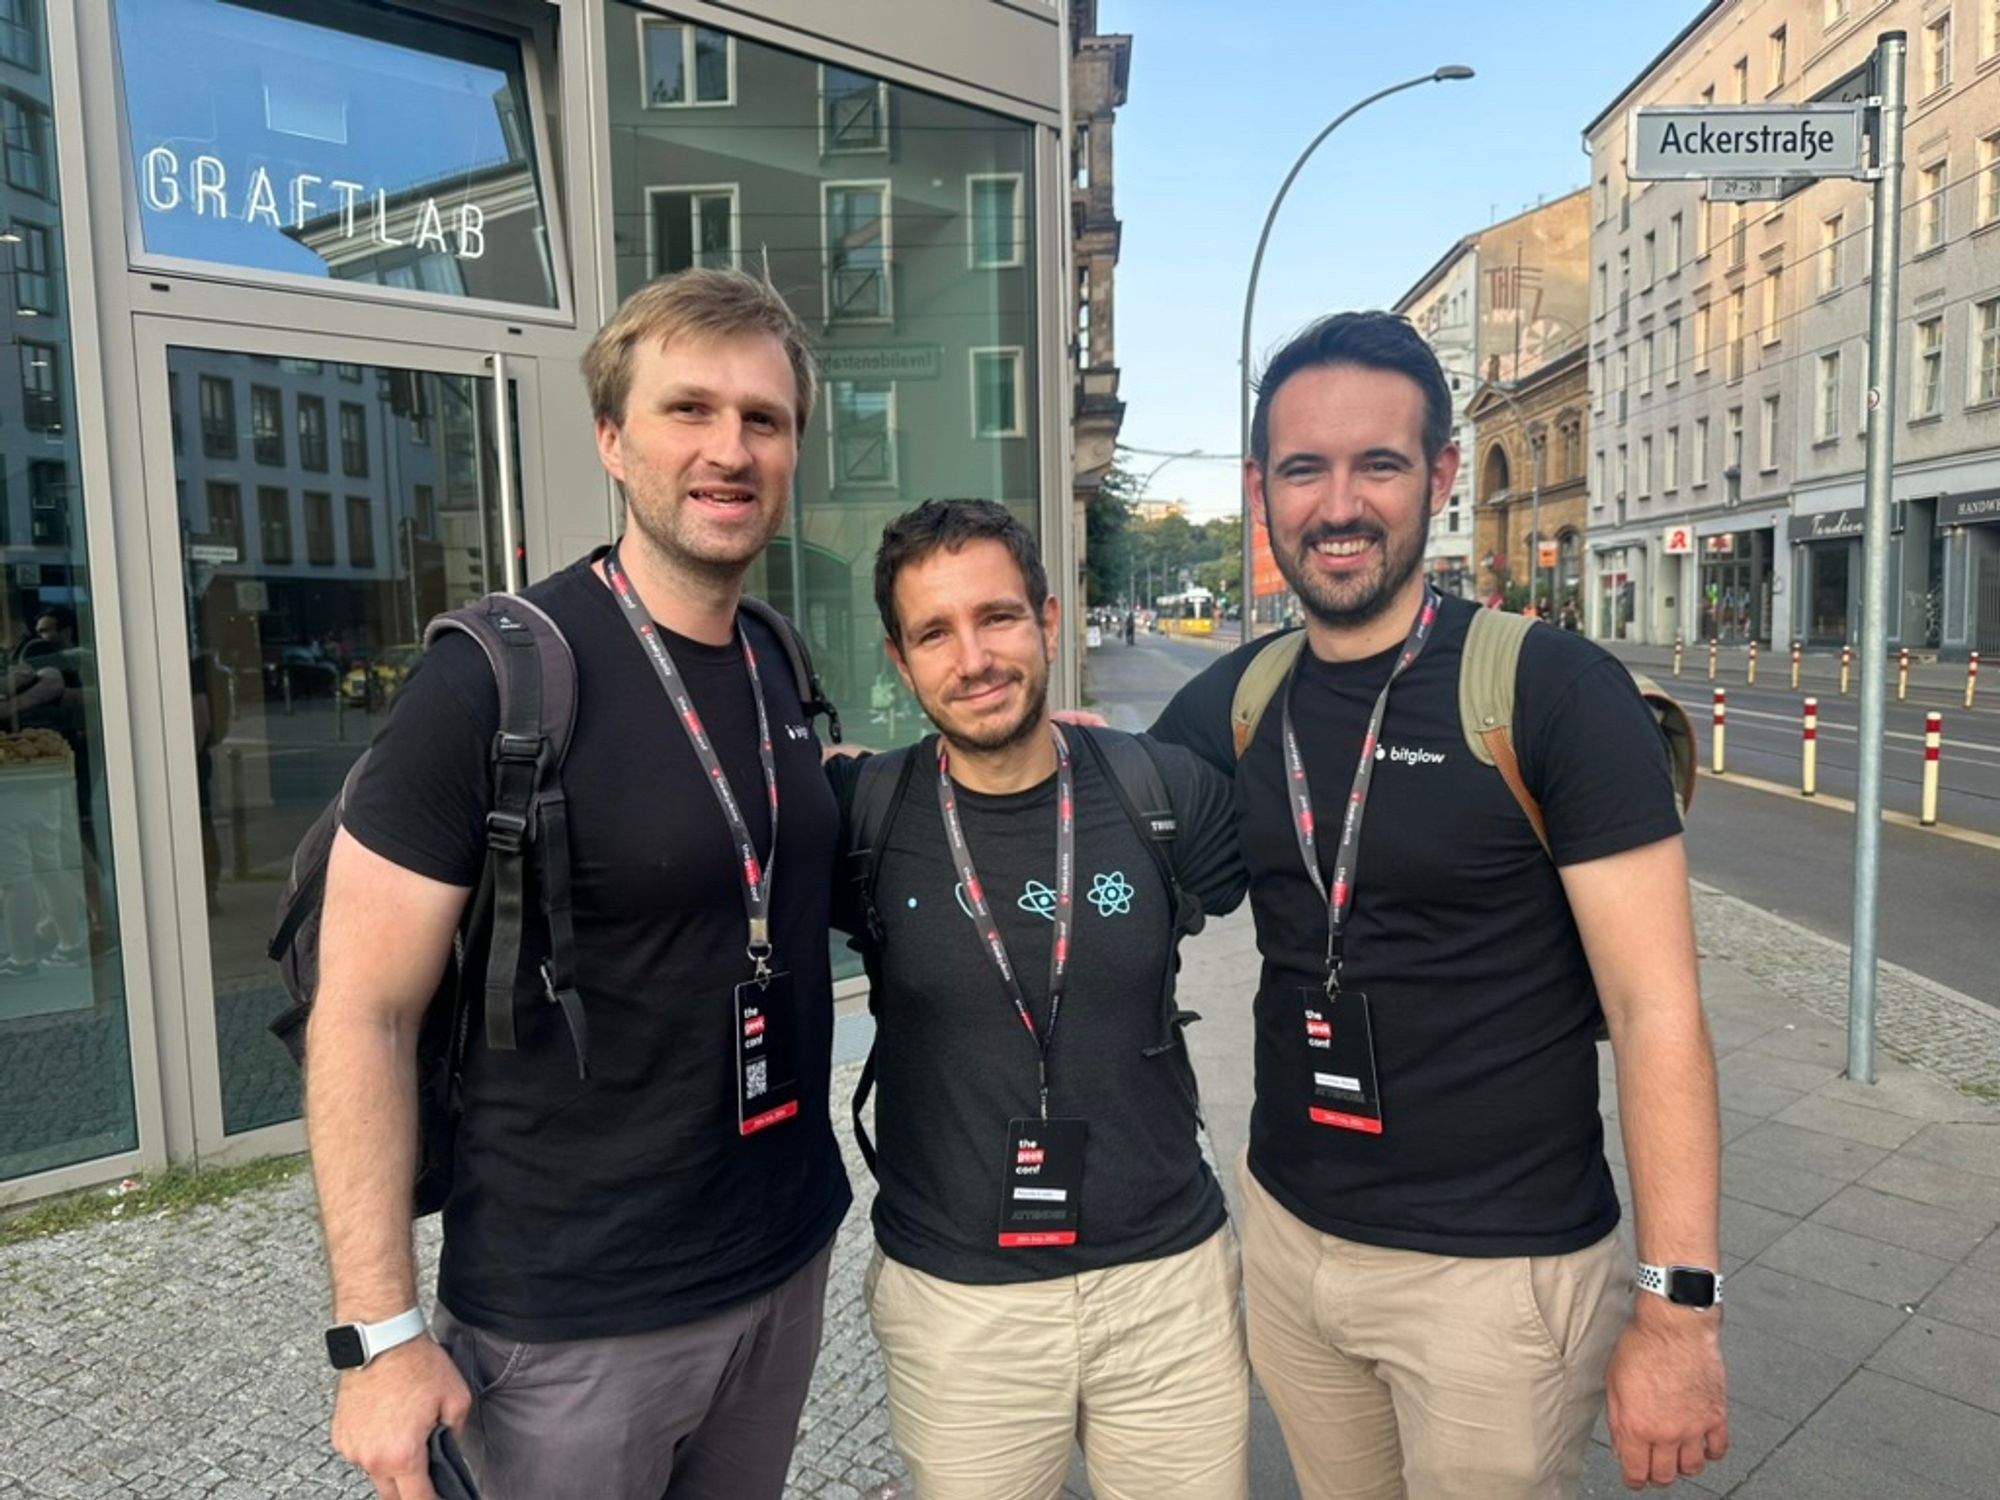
1989 177
1597 387
218 417
1776 78
1624 288
1739 74
1930 207
1732 353
174 409
1828 262
1767 436
1698 457
1603 288
862 415
1927 390
1646 352
1986 351
27 144
685 64
693 226
1739 236
350 373
1701 339
1676 244
312 433
1937 54
360 531
1670 461
993 206
1989 29
853 112
1649 259
996 394
1672 354
18 40
353 440
1826 427
274 524
1645 490
267 425
1624 471
319 528
225 515
1832 13
34 284
1079 158
1774 304
854 230
1732 440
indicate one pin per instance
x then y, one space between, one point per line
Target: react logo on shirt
1112 894
1409 755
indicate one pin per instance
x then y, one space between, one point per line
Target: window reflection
65 1060
303 630
352 142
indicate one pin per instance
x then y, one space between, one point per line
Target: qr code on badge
757 1077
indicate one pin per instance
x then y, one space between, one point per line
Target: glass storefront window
350 142
900 226
302 632
65 1053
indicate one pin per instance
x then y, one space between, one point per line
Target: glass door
325 503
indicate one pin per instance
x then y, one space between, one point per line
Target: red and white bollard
1714 651
1721 718
1903 674
1678 644
1809 768
1846 667
1971 677
1753 664
1933 742
1798 654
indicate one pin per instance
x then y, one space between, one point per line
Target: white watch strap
380 1338
1654 1279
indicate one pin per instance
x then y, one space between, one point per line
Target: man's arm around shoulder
1665 1389
386 933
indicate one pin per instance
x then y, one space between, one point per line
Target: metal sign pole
1889 60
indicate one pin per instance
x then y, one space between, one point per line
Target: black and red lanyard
1340 900
982 913
753 875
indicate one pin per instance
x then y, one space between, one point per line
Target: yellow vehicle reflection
371 683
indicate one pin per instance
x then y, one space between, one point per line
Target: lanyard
753 875
1340 901
982 914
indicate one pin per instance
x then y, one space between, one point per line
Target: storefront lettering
201 185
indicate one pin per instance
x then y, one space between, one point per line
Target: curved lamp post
1446 74
1140 494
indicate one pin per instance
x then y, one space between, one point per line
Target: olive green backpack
1485 704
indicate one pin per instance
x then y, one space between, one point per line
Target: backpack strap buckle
507 832
522 749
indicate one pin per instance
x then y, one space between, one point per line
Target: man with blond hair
634 1267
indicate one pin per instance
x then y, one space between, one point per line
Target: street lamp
1139 494
1447 74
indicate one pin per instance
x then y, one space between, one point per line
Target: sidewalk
169 1358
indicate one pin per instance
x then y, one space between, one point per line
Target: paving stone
1851 1263
1771 1184
1779 1377
1751 1066
1987 1256
1905 1091
1729 1033
1970 1298
1871 1127
1898 1221
1815 1465
1809 1313
1964 1193
1748 1227
1966 1148
1825 1155
1804 1041
1735 1121
1952 1361
1903 1426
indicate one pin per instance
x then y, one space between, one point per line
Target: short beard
1399 565
1026 728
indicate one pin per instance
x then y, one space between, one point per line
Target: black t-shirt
1460 935
953 1062
628 1201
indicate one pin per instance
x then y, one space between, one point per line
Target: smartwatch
1684 1286
350 1346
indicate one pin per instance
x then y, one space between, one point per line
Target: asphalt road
1939 896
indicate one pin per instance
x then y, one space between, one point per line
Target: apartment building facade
1729 350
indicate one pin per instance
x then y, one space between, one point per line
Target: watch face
344 1348
1691 1288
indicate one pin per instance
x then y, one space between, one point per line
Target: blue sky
1218 110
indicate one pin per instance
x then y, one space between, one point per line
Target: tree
1107 528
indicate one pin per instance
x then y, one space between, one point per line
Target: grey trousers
703 1411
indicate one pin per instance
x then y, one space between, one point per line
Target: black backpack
528 826
1128 767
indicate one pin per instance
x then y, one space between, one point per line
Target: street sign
1678 142
1678 542
1746 189
203 552
1548 553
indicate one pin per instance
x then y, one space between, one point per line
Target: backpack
1127 765
1486 674
527 826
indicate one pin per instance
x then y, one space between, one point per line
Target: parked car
301 668
375 680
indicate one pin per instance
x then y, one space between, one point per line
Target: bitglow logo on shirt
1409 755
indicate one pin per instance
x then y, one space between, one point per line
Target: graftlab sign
1676 142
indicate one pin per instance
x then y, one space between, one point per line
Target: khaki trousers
1395 1374
1143 1364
